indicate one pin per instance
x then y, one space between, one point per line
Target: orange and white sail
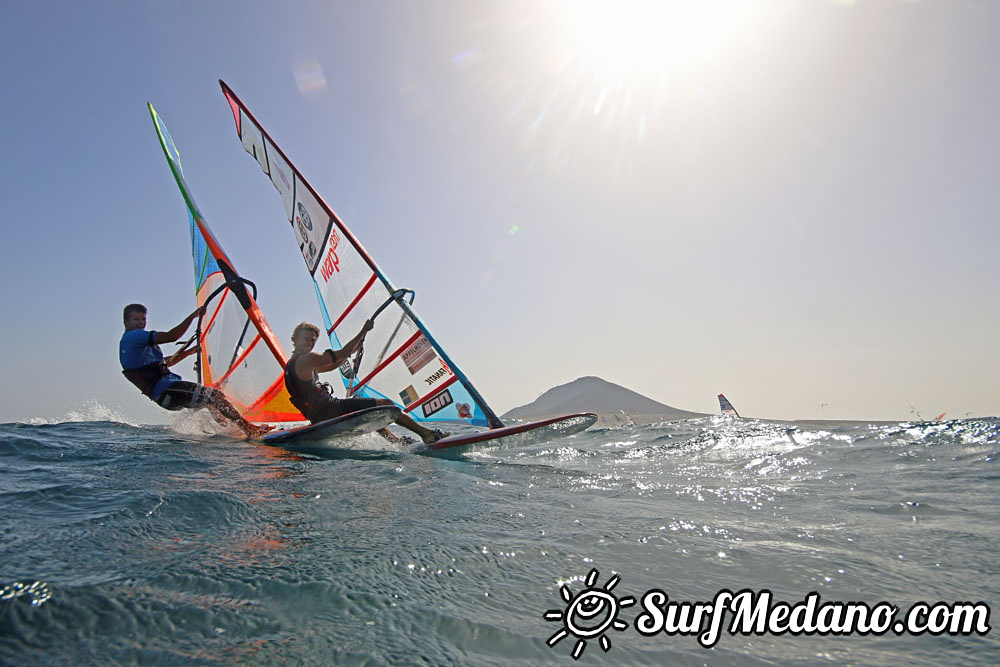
239 354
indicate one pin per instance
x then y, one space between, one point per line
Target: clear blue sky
789 201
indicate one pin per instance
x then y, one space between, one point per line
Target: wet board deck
353 423
517 435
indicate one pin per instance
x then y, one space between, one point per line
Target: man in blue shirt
144 366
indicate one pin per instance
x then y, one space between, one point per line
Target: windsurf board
530 433
353 423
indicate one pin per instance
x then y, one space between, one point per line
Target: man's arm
329 360
352 344
306 364
178 331
178 356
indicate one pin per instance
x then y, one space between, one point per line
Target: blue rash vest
138 349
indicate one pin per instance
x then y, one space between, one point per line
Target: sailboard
353 423
726 407
520 435
401 360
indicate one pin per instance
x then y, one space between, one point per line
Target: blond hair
305 326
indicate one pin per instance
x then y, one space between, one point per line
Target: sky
791 202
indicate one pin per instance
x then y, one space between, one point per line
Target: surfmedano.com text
756 613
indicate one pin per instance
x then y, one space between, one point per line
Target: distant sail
727 407
239 354
402 361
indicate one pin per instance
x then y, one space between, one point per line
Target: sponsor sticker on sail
437 403
408 395
418 355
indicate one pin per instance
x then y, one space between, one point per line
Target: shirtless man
315 401
144 366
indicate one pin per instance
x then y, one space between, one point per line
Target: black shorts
183 394
338 407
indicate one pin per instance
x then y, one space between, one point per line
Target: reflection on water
143 544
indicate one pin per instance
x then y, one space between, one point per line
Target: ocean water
128 544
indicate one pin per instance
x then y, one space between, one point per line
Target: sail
402 361
239 354
727 407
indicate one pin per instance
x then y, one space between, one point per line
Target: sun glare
589 85
636 36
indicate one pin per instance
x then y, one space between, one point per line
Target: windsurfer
315 401
144 366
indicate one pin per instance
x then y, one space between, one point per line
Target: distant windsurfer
144 366
315 401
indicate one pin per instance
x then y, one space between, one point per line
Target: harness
309 396
146 377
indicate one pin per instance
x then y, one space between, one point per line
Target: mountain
608 400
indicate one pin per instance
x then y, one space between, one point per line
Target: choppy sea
133 544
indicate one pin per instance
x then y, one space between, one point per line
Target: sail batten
243 354
352 304
391 358
215 311
230 357
351 288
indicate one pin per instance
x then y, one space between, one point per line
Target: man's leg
220 405
427 435
224 413
392 437
184 394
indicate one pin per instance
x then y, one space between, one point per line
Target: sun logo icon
589 614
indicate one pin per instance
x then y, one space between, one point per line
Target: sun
589 614
634 37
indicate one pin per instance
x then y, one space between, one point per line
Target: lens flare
309 77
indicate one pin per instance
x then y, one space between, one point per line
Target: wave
91 411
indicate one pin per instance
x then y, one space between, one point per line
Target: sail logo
331 264
284 179
408 395
438 403
303 222
437 375
309 252
418 355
